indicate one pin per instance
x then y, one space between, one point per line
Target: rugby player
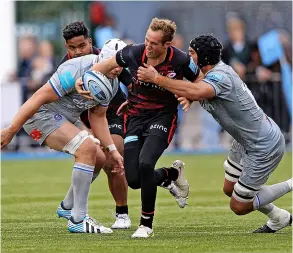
258 144
150 121
78 43
51 117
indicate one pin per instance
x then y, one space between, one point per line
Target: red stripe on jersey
124 121
172 130
143 56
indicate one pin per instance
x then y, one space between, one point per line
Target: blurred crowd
37 61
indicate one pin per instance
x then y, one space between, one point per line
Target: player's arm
105 66
44 95
99 125
194 91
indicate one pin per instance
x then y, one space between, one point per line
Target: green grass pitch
32 190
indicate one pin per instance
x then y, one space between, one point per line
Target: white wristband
111 147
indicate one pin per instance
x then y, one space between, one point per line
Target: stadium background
32 46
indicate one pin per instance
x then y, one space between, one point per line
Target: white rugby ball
99 85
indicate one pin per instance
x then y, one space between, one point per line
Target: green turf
32 190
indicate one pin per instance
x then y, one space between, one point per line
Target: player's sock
68 200
81 179
164 174
122 209
266 209
146 219
268 194
148 194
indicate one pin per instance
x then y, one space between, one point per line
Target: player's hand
6 136
184 102
80 90
147 73
118 163
123 108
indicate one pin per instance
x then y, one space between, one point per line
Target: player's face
114 73
79 46
154 45
193 54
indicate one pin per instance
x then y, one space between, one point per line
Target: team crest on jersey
171 75
57 117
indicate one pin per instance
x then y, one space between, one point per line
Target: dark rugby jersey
124 78
146 96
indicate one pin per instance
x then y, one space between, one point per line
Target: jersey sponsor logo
57 117
67 80
82 105
214 77
146 84
171 75
115 126
36 134
192 65
160 127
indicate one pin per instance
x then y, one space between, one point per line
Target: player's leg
251 194
233 167
64 209
61 135
119 188
132 146
158 133
171 178
151 151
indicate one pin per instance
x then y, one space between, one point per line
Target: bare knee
87 152
240 208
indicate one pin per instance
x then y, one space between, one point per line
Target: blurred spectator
43 66
106 31
96 17
236 52
265 84
178 41
27 51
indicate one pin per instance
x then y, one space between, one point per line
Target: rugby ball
99 85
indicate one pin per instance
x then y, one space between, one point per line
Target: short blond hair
168 28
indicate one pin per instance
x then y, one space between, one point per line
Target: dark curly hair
75 29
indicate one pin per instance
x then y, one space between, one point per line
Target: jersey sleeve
63 80
125 77
123 56
190 69
220 82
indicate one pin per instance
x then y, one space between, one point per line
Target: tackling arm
193 91
106 66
